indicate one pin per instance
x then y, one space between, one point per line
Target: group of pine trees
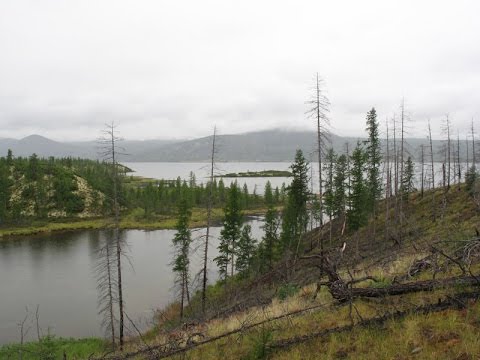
352 183
162 197
37 188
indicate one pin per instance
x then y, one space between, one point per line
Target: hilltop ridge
267 145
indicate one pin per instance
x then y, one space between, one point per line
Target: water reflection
55 271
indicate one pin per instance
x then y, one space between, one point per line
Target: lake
56 272
171 170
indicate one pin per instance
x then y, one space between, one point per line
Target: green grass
46 227
129 221
51 347
264 173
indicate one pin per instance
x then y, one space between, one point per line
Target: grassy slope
450 334
74 348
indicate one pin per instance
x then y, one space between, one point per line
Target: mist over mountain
269 145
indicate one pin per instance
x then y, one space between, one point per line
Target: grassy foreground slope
275 316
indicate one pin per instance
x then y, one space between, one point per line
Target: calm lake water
170 170
56 272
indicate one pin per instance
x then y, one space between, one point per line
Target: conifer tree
295 216
357 215
340 186
9 158
269 243
329 194
4 190
245 252
230 233
373 159
181 244
408 180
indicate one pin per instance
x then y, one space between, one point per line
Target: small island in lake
263 173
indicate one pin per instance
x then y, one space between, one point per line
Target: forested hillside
33 188
50 188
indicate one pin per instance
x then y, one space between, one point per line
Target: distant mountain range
270 145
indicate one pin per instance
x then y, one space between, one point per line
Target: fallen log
342 292
451 302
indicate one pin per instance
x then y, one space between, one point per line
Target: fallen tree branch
447 303
162 355
340 291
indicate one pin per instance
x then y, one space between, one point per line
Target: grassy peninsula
263 173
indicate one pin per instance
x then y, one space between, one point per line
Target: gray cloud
174 69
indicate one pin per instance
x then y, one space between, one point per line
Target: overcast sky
173 69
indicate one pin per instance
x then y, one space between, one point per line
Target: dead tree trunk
423 171
209 217
433 171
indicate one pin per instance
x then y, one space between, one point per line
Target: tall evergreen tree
181 243
230 233
269 245
329 194
245 251
340 186
9 158
4 190
357 215
408 180
295 216
373 159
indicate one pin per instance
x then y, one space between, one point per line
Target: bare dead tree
319 109
109 142
402 142
466 147
474 161
388 191
422 160
402 165
446 128
209 217
107 295
395 157
433 169
459 168
37 321
23 333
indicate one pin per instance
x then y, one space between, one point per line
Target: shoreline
127 223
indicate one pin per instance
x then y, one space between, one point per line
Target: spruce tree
295 216
340 186
4 190
373 161
357 214
245 251
407 185
269 245
230 233
181 244
329 194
